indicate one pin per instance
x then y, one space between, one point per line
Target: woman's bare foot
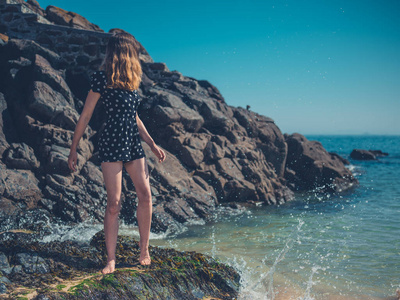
109 268
144 259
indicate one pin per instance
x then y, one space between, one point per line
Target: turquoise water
316 247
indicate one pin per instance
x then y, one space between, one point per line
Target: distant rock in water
216 153
70 270
360 154
378 153
310 167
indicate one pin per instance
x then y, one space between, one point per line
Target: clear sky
315 66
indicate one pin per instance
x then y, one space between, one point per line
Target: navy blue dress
120 140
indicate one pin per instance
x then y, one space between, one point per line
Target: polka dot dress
120 140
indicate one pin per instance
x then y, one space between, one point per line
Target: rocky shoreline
217 154
70 270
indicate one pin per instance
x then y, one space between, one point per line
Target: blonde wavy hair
121 62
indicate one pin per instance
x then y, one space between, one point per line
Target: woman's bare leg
112 174
139 173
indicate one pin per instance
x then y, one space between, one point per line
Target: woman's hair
121 62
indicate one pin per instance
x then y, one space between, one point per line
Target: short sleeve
98 82
139 99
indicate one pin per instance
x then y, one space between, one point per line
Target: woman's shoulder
99 73
98 81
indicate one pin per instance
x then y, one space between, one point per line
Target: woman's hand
158 152
72 160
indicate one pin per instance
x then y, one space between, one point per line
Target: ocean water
316 247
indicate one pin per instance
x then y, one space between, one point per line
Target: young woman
116 83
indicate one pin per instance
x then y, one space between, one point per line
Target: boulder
4 264
378 153
43 71
5 122
360 154
313 168
29 49
342 159
45 102
271 140
69 18
21 156
176 110
34 5
32 263
20 186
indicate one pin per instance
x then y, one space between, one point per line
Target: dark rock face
69 18
360 154
378 153
68 270
4 119
342 159
216 153
311 167
21 156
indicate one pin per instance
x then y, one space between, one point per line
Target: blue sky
315 67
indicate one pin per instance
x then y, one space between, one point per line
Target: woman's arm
86 115
143 132
147 138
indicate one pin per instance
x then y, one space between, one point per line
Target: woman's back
120 140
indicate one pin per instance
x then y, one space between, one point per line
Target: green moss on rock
171 275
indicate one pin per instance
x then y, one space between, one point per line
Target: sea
318 246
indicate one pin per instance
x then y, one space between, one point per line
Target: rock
21 156
166 115
5 122
180 210
360 154
34 5
44 102
19 185
36 219
190 119
66 118
314 168
92 173
43 71
68 270
213 151
378 153
32 263
272 142
29 49
4 266
189 147
3 288
176 192
69 18
58 161
215 119
212 90
343 160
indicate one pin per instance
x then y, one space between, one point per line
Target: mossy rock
75 272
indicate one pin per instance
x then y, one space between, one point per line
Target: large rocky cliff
216 153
